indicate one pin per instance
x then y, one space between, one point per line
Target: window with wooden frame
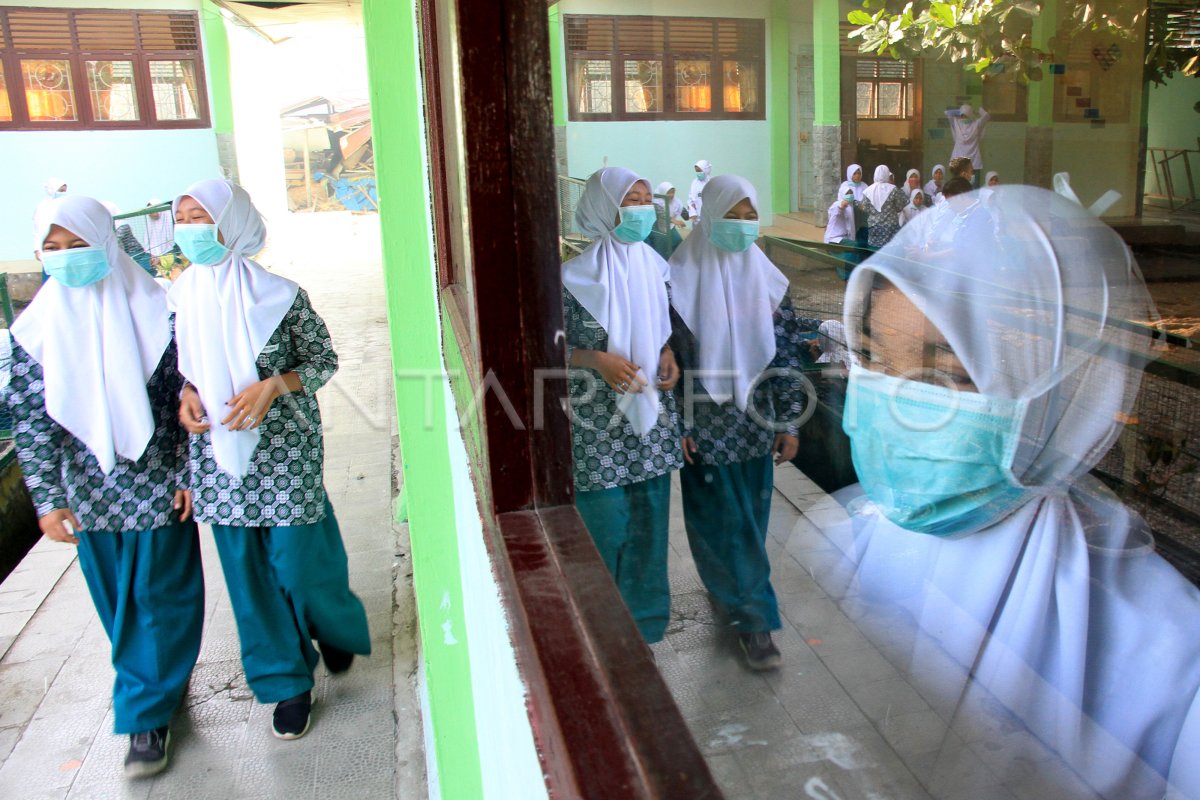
885 88
92 69
645 68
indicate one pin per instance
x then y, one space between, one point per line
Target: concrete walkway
56 736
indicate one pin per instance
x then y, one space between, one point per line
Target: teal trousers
289 585
629 526
148 589
725 510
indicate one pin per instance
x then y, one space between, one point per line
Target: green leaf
982 64
857 17
942 14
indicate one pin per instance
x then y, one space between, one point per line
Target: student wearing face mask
94 393
254 353
624 428
842 228
735 321
1009 582
703 170
54 189
854 185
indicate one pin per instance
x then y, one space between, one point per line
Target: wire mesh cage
147 235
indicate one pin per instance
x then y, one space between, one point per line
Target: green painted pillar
410 276
827 105
558 77
220 86
779 108
827 63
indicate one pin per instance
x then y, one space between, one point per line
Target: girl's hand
668 370
191 411
689 447
60 525
785 447
251 405
183 503
619 373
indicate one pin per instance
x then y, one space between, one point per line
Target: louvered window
636 68
78 69
885 88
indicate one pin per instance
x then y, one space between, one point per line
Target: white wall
666 150
126 167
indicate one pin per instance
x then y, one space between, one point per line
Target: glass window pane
741 86
890 100
643 87
693 86
866 99
110 88
5 105
173 87
591 85
48 91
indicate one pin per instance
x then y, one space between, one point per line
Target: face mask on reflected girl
636 223
199 243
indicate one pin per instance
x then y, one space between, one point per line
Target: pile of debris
328 156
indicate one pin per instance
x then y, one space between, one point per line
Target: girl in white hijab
624 431
988 383
735 321
703 169
255 353
94 393
853 183
916 205
666 237
933 187
882 201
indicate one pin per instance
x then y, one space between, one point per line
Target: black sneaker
147 753
761 652
336 660
292 717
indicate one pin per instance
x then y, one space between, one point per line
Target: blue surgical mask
77 267
199 243
58 194
636 223
932 459
734 235
700 176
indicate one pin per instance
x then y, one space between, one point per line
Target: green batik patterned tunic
725 435
61 471
284 485
607 451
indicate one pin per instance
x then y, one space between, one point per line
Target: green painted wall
216 47
1172 119
827 63
396 102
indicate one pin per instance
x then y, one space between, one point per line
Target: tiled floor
845 717
55 677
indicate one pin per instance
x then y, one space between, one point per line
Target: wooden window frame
910 83
11 57
603 720
616 59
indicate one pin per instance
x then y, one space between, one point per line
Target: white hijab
694 199
98 345
727 300
931 186
1059 609
881 189
856 188
224 315
624 287
676 209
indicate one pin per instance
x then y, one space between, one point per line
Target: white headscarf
695 203
727 300
856 188
44 206
908 175
624 287
912 209
98 345
224 315
931 186
676 209
881 189
1059 609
